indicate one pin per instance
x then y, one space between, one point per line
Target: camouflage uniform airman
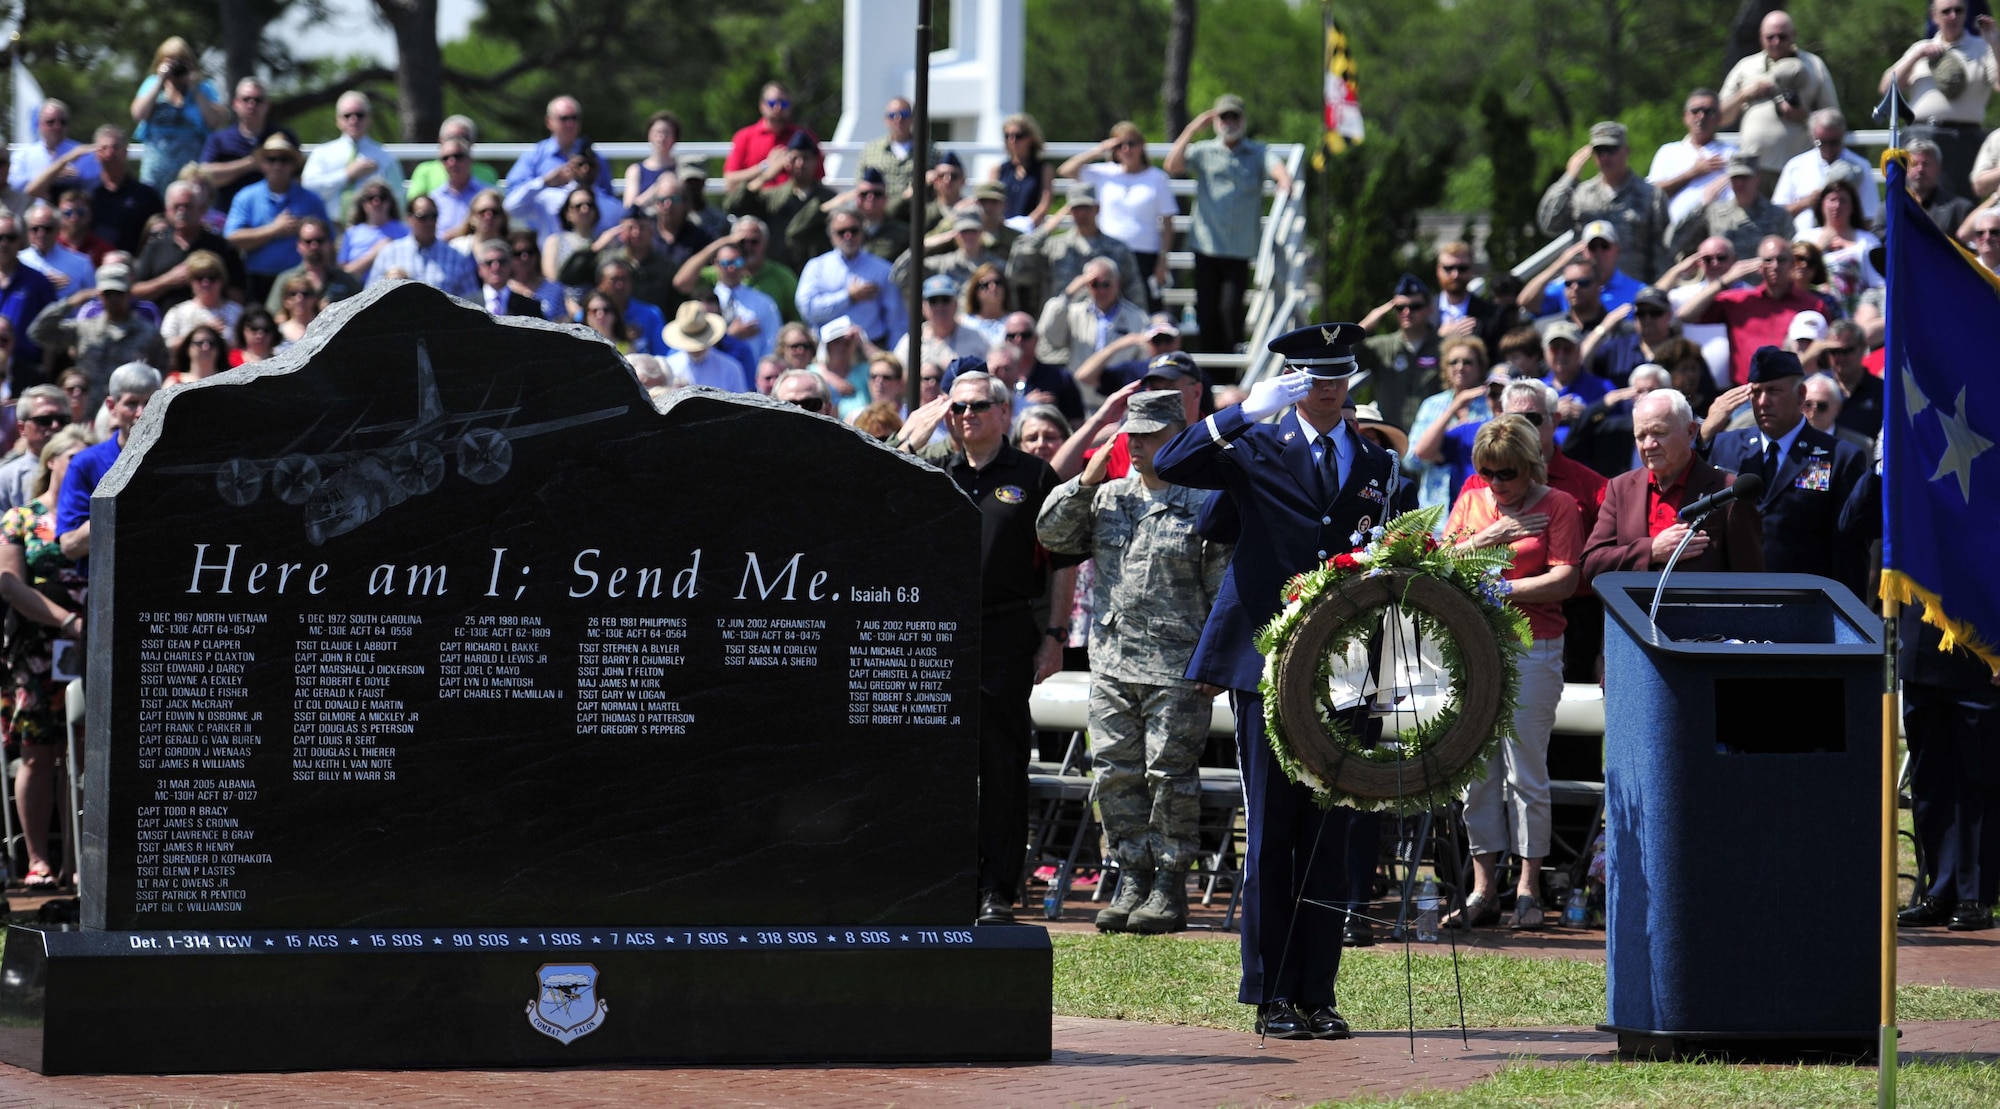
1155 581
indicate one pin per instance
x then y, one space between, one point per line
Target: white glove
1275 394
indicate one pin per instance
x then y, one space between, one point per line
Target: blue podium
1742 787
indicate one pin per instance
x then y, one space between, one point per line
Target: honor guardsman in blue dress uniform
1302 486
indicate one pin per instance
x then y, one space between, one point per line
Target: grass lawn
1193 981
1709 1086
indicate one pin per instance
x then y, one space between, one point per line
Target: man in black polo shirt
160 272
1009 487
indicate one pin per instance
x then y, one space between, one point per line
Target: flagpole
1885 1048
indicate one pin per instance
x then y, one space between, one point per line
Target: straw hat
693 329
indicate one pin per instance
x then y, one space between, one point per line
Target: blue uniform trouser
1955 788
1294 875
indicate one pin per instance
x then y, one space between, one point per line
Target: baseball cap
1600 229
1081 193
1608 133
940 285
1162 323
1809 325
1563 330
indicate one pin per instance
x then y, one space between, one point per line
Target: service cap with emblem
1154 411
1322 350
1772 364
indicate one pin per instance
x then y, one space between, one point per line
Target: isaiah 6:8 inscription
446 623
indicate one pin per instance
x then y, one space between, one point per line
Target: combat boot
1165 909
1134 884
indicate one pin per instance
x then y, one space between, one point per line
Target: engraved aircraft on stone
349 484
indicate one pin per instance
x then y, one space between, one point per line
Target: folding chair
1061 820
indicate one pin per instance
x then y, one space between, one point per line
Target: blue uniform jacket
1268 472
1817 517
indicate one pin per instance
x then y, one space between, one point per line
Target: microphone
1747 486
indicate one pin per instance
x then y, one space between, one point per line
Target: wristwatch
1057 634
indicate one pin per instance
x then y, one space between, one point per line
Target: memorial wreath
1455 598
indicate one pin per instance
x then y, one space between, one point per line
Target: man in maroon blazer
1636 529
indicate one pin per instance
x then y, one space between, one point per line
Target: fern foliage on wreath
1458 601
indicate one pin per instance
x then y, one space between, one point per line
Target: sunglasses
34 227
961 407
946 301
778 102
581 205
570 118
70 213
870 194
1815 405
1442 268
1583 284
354 115
205 279
1019 336
1409 308
10 237
885 377
1714 260
424 217
209 344
810 404
730 264
250 100
1101 284
256 329
524 254
496 260
753 242
1653 312
50 421
375 198
76 390
453 157
1499 475
798 345
1986 232
844 232
1534 418
900 113
1703 111
929 379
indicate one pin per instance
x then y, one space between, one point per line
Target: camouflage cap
1154 411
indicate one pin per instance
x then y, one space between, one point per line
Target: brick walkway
1097 1062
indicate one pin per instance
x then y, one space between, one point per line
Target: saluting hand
1275 394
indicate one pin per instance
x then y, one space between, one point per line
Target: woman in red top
1519 510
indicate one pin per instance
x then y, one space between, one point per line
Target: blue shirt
645 321
30 160
254 207
823 295
85 471
21 300
538 205
1623 288
1457 448
1588 389
436 265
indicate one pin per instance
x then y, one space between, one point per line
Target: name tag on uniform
1817 476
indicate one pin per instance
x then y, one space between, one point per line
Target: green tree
1091 63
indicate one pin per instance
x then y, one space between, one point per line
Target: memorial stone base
343 999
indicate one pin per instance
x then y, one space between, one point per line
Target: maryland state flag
1940 472
1343 108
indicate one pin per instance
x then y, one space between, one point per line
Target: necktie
1329 469
1770 462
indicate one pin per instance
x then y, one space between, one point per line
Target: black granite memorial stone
432 642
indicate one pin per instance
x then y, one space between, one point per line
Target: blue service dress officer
1818 517
1301 487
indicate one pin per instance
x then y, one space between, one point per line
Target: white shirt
1929 103
1343 449
326 172
1131 205
744 302
1712 338
1676 158
1806 175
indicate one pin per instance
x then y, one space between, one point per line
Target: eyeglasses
204 279
1011 136
930 379
1650 312
1534 418
70 213
207 344
870 194
1579 283
899 113
250 100
777 102
1986 232
753 242
34 227
453 157
1704 110
1776 261
570 118
1816 406
354 115
1442 268
496 260
944 301
76 390
49 421
10 237
729 264
810 404
1409 308
375 198
799 344
1714 259
256 328
990 283
1596 245
961 407
886 377
580 205
1230 115
1498 475
1102 284
524 253
1019 336
1840 350
424 217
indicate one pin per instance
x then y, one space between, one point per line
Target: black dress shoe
1279 1021
1357 933
1327 1024
994 909
1971 916
1928 912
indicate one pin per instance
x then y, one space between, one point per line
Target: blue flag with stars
1940 471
